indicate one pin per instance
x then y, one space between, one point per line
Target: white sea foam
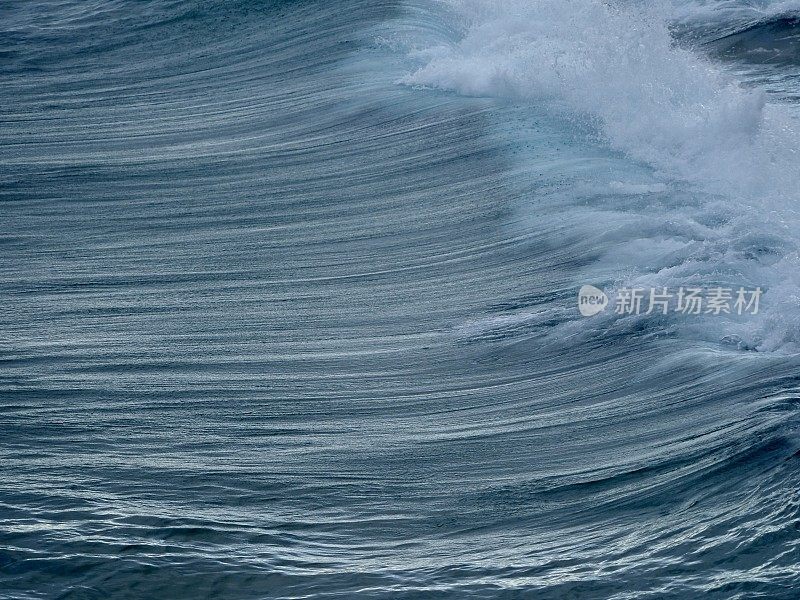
617 67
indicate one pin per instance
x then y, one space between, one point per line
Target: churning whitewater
291 299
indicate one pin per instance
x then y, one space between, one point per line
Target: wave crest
644 95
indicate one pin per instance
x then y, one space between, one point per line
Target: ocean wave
656 102
278 326
764 33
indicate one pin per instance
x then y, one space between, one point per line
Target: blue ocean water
289 299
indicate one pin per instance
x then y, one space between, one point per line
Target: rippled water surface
289 294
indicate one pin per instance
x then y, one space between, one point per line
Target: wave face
290 305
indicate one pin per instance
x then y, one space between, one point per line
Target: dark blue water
277 322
